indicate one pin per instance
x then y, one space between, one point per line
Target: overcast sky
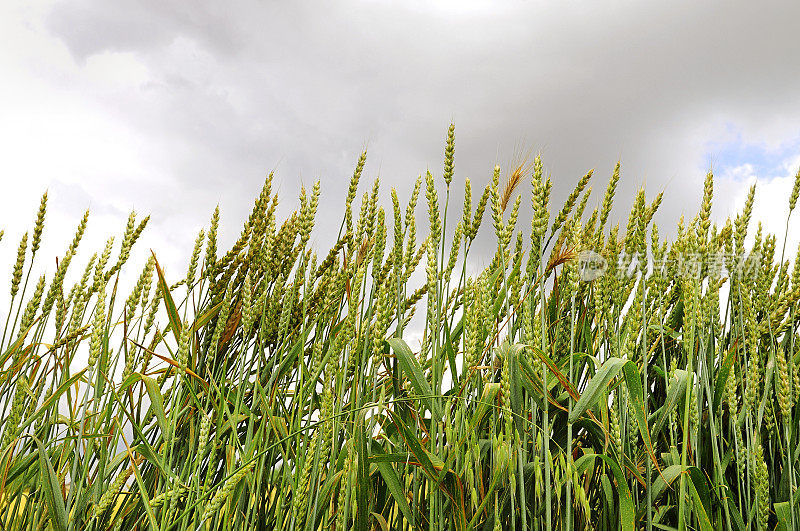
173 107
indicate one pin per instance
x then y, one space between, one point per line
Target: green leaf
148 509
205 317
486 402
675 392
157 403
665 479
562 379
701 483
661 483
597 387
363 494
52 489
430 463
381 521
451 355
722 377
409 364
12 349
530 380
515 383
627 514
699 488
325 494
148 453
784 513
393 483
48 403
608 493
169 304
287 362
486 498
736 516
633 380
401 457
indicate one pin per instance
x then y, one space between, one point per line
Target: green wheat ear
39 226
795 192
16 276
449 154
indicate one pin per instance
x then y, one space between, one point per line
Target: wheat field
590 377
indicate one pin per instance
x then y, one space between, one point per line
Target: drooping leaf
412 369
396 490
381 521
627 513
700 495
51 487
675 392
597 387
157 403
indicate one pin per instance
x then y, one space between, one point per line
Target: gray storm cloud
234 91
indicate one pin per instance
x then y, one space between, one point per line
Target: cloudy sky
171 108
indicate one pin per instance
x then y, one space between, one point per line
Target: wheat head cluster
276 387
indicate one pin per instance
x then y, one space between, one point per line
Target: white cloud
116 70
771 205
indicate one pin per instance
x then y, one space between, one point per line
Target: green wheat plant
275 385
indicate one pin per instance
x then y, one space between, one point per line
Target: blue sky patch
767 160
